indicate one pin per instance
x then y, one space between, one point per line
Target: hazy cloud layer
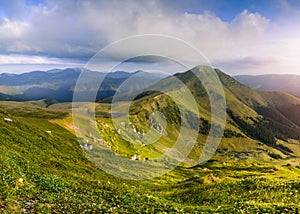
75 30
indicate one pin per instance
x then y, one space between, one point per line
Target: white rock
8 119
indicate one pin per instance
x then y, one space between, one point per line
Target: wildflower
20 182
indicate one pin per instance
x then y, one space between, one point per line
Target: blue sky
238 36
227 9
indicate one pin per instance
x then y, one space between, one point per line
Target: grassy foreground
49 173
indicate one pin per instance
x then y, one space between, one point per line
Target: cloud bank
52 31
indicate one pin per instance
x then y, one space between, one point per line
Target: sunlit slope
44 170
49 173
252 116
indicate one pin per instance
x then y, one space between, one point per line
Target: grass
50 173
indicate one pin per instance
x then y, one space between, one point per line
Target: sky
237 36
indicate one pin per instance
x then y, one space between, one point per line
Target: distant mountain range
59 84
272 82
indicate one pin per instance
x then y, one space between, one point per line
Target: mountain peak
7 74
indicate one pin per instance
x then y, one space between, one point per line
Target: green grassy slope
259 122
263 116
43 172
50 173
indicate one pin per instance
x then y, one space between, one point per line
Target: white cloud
13 63
81 28
24 59
11 29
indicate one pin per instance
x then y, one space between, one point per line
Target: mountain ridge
289 83
58 84
263 116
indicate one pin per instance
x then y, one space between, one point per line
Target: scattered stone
86 146
8 119
134 157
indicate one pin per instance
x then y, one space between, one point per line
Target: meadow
50 173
